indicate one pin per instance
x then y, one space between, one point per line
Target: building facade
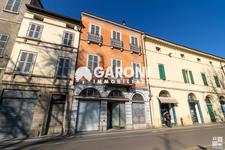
37 86
185 83
11 16
112 102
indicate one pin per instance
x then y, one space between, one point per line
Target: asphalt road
158 139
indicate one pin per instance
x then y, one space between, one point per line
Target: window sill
62 78
34 39
9 11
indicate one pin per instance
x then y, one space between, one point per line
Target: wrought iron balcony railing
117 43
135 48
94 38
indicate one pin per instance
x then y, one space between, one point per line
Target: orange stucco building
108 105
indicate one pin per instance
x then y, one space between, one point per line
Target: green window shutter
192 78
217 81
184 76
204 79
162 72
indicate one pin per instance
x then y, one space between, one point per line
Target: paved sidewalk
20 142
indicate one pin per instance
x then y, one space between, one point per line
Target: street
188 138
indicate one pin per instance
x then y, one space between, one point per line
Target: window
93 62
182 55
204 79
25 63
117 68
137 71
34 31
68 38
134 40
95 30
217 81
63 67
116 35
162 74
13 5
188 76
3 41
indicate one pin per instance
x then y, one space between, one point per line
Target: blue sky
199 24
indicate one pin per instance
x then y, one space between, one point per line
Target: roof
53 14
37 3
185 47
112 22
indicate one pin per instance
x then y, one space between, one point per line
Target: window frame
5 45
33 63
100 29
117 32
57 67
190 79
134 71
206 81
217 81
72 40
11 11
40 32
163 72
121 64
134 37
87 60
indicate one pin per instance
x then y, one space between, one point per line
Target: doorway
194 109
116 115
210 109
222 103
56 115
168 116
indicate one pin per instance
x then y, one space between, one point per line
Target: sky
199 24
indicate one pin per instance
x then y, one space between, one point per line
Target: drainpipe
148 81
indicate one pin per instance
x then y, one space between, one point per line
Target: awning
168 100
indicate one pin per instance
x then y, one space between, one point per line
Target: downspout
147 79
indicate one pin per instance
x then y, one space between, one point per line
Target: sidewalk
20 142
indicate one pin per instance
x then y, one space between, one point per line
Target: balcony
116 44
135 48
94 38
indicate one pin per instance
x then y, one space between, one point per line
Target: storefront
167 109
195 109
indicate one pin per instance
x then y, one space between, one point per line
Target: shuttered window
25 63
217 81
188 76
137 71
191 77
116 65
68 38
204 79
13 5
63 67
116 35
3 41
92 62
134 40
162 74
34 31
95 30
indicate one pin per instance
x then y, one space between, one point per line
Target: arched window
164 93
90 92
138 109
208 99
192 97
116 94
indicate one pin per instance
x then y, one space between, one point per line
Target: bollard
182 122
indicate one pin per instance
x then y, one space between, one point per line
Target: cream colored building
185 83
38 82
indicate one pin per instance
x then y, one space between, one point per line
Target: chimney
123 22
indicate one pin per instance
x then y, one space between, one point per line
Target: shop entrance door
116 115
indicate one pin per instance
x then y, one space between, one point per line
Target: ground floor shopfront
33 110
172 107
97 108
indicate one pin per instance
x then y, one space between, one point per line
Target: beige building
38 82
186 85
